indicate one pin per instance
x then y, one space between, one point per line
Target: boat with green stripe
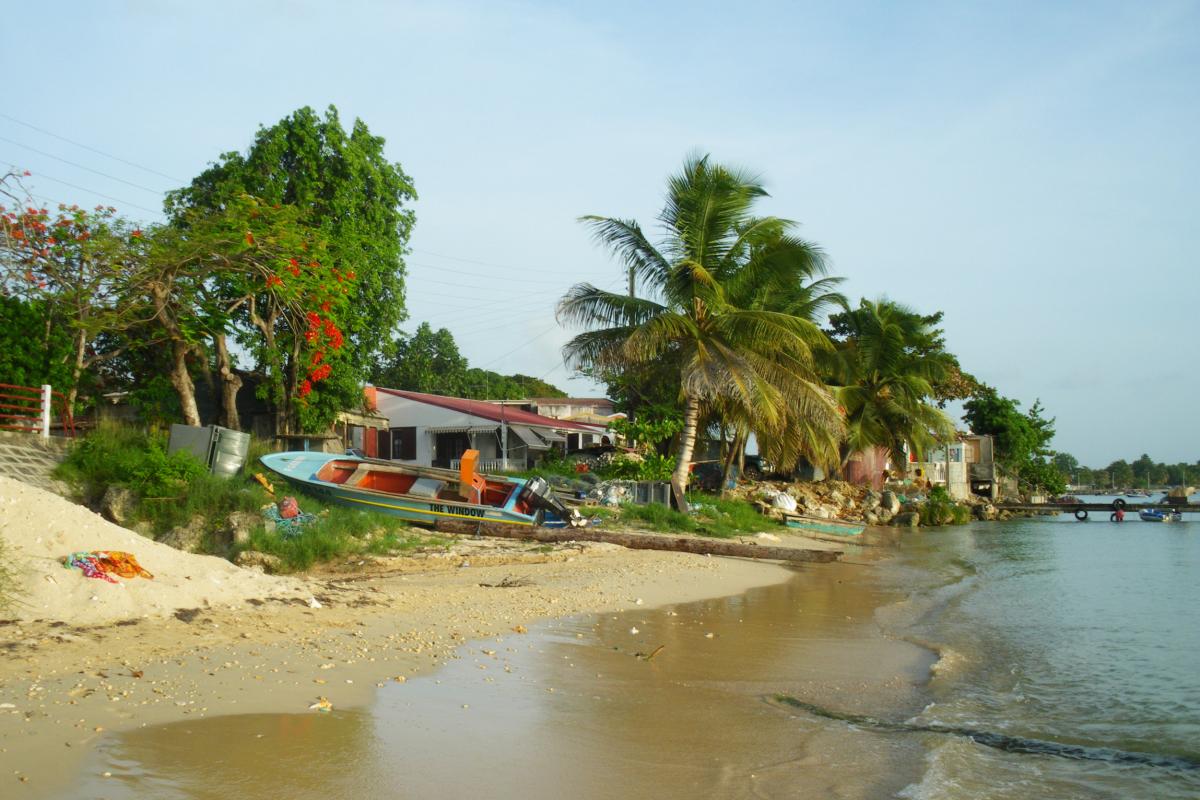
423 494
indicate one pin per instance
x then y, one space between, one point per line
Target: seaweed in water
1001 741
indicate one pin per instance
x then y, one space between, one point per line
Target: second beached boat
424 494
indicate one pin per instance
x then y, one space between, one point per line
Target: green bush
652 467
940 509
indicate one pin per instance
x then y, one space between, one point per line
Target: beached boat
424 494
1159 515
822 528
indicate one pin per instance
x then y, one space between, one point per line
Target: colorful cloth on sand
288 527
103 564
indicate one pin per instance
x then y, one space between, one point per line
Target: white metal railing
487 464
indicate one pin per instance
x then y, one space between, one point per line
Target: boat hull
300 470
825 527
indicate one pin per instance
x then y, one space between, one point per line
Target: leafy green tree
349 196
1021 441
1142 468
35 348
1119 473
885 369
1067 466
428 361
694 316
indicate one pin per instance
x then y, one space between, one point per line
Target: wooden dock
1084 509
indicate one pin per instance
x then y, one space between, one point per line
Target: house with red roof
435 430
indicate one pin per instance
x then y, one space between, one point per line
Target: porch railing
488 464
31 409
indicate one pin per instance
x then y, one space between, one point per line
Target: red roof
486 410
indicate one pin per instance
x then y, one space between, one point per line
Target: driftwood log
645 541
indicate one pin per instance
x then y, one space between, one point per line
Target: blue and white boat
1159 515
424 494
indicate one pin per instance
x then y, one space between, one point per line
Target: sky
1030 169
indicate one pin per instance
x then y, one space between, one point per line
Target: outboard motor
538 494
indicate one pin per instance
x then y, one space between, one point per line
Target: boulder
871 518
238 527
889 502
910 519
985 511
187 538
117 504
784 502
259 562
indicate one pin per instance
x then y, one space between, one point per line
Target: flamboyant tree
347 194
77 264
250 270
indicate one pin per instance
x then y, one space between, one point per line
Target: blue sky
1031 169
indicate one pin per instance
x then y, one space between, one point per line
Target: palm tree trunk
687 443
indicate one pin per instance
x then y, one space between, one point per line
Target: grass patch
711 516
339 532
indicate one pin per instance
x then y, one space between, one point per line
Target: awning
531 439
551 436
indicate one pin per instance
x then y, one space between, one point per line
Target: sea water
1030 658
1074 646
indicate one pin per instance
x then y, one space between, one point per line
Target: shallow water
1081 636
1068 669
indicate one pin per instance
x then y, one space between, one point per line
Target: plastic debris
322 705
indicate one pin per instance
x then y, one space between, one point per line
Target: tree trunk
644 541
231 382
687 443
76 370
735 448
182 381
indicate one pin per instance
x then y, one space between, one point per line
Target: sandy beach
278 644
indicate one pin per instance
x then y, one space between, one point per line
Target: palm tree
886 383
725 351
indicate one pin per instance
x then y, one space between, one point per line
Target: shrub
940 509
652 467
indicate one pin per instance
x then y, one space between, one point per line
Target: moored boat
832 529
423 494
1159 515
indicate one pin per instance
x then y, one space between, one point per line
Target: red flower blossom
305 388
325 306
317 357
313 319
273 280
249 238
137 234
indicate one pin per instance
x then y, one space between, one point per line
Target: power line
81 166
98 194
92 149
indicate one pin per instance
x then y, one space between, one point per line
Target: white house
595 412
434 430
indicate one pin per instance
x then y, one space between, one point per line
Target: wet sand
64 688
575 707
